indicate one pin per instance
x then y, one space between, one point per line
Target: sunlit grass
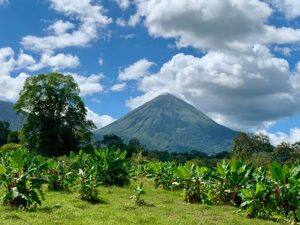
117 207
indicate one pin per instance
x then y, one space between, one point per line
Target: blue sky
235 60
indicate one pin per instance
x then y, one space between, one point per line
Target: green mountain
16 120
168 123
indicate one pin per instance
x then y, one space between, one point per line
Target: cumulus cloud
136 70
99 120
214 24
123 4
56 62
118 87
279 137
240 91
88 85
10 86
63 33
291 8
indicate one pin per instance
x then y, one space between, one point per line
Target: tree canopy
4 131
56 122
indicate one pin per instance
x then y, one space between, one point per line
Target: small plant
88 184
138 192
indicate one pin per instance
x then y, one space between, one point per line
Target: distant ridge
169 123
8 114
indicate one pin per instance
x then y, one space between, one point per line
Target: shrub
22 180
10 147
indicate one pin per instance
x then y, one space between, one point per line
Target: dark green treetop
4 131
56 122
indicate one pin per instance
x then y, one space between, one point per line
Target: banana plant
60 175
22 180
138 192
258 197
232 177
113 167
197 183
287 190
88 184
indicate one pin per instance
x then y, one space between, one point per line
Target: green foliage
283 153
111 141
258 197
56 122
22 179
113 166
13 137
268 194
4 131
60 175
197 186
10 147
245 145
232 177
138 192
134 146
88 183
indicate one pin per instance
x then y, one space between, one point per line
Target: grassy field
117 208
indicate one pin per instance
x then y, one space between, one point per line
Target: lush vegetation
268 194
265 193
56 116
44 158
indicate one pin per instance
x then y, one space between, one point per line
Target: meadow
105 187
116 207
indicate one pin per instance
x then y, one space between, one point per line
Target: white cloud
88 85
7 61
25 60
90 16
99 121
291 8
100 61
118 87
121 22
56 62
285 51
123 4
61 27
2 2
279 137
136 70
11 86
238 90
214 24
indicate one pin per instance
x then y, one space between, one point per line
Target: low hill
169 123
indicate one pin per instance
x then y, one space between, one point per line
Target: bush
22 181
10 147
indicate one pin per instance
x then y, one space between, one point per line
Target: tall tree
56 122
112 140
4 131
244 145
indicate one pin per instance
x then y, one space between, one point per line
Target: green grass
117 208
